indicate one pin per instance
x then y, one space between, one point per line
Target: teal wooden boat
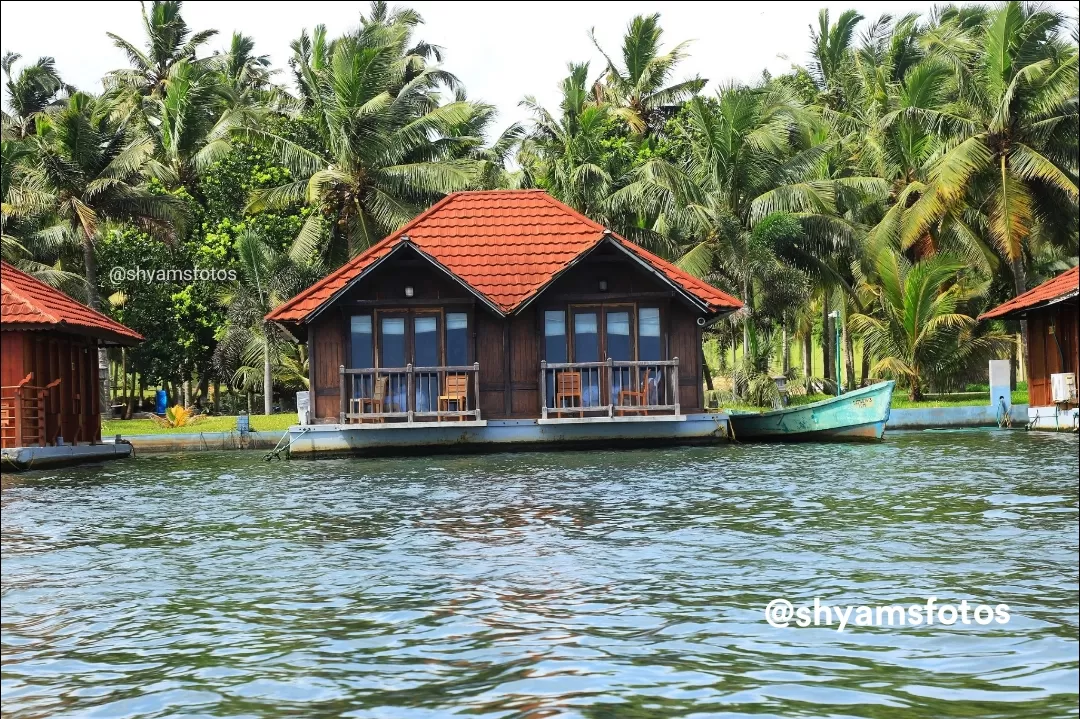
853 416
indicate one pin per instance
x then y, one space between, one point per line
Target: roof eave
106 336
1021 311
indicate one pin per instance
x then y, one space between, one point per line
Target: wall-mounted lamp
603 285
408 290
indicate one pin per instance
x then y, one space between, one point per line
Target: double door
584 334
425 338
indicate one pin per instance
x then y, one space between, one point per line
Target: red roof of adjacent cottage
29 303
506 245
1061 287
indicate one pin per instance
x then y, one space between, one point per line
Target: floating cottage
501 318
1053 349
49 402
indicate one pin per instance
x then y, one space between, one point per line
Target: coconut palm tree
253 347
386 147
36 90
191 121
92 170
638 89
566 155
1016 159
916 325
831 56
242 69
25 206
169 40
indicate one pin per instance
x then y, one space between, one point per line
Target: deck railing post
476 388
18 417
343 406
543 389
675 385
609 386
410 400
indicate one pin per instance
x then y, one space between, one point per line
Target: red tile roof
506 245
1059 288
29 303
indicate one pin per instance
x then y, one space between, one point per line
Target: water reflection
596 584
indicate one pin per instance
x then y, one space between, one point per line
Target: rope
275 453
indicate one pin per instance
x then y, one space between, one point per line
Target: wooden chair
638 396
375 401
457 391
568 387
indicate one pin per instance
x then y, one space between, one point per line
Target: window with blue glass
361 353
649 349
457 339
363 345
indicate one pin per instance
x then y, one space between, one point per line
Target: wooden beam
408 302
610 296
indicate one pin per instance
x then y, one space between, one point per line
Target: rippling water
598 584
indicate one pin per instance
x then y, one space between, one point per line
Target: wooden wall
1044 356
71 410
327 344
508 349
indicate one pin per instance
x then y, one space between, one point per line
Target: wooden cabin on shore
49 346
503 306
1053 348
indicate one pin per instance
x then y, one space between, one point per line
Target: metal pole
839 359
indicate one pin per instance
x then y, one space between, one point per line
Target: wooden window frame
409 313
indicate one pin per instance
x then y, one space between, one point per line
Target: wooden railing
611 388
22 414
412 394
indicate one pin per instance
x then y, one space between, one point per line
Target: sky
501 51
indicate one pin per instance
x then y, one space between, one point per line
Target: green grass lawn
259 423
962 399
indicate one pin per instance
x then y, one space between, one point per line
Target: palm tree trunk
268 382
705 369
1020 283
785 351
746 322
124 394
808 354
864 373
90 264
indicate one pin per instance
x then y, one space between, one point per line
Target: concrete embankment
923 418
952 417
203 441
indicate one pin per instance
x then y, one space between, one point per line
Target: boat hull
857 416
